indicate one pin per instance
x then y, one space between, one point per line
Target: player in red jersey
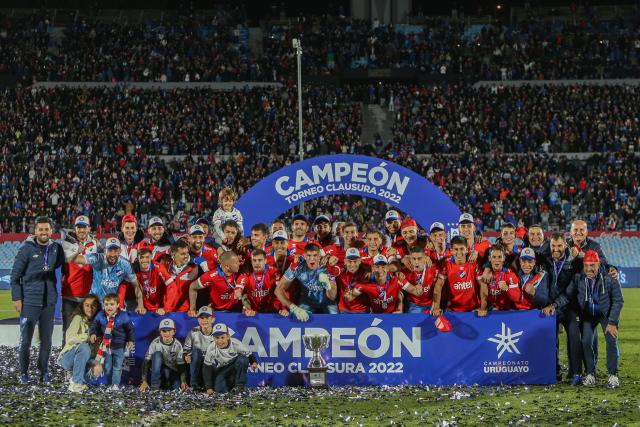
158 241
221 284
256 289
202 254
332 245
354 272
130 237
428 277
410 238
177 277
384 290
374 239
76 279
299 230
438 251
151 282
533 282
462 290
477 249
503 289
280 256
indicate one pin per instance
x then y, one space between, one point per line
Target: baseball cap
205 310
82 220
112 242
167 324
392 215
352 253
155 221
380 260
280 235
527 253
196 229
220 328
591 256
465 217
129 218
321 218
436 226
408 222
202 221
301 217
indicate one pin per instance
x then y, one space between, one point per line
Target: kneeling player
196 344
164 357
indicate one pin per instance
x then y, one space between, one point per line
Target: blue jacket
609 295
30 282
122 332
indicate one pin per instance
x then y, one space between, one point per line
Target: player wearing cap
164 361
318 290
462 289
196 344
280 256
221 284
333 246
477 249
534 282
256 289
384 290
354 272
158 240
206 226
410 239
579 243
299 230
76 279
392 227
153 289
421 274
600 299
110 270
226 362
202 254
438 253
177 276
503 290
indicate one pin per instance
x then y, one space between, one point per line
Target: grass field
371 406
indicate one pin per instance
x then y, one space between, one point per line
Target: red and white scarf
105 346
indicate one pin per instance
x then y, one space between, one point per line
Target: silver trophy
317 366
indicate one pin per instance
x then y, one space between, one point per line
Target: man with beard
354 272
232 241
477 249
202 254
152 287
332 245
221 284
579 243
206 226
561 270
177 276
392 227
256 289
534 282
158 241
421 274
317 290
410 239
299 230
75 279
438 252
34 295
110 270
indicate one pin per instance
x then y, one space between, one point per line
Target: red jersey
383 298
76 279
157 251
221 289
177 283
206 259
425 278
260 289
152 288
462 290
481 248
439 258
404 249
367 258
297 248
346 281
504 300
526 302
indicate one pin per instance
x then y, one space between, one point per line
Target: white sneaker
589 380
613 381
77 388
114 387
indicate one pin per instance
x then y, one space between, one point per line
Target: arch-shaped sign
347 174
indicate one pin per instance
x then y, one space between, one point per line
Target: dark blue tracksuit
34 283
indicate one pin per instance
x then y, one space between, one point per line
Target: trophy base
318 377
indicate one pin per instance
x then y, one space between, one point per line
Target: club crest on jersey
462 274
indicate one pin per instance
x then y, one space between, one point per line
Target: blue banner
502 348
629 277
347 174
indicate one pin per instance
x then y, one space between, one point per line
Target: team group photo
351 213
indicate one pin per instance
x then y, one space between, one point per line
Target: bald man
579 243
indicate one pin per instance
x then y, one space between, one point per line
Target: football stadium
355 212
